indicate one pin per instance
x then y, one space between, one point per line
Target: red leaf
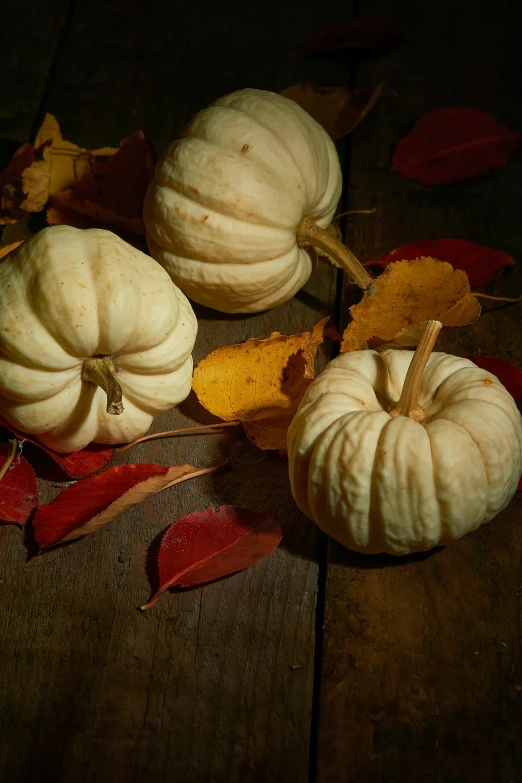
91 503
451 144
508 375
77 464
18 490
519 488
210 544
481 264
355 34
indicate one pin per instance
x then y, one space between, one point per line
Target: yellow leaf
69 162
259 382
407 293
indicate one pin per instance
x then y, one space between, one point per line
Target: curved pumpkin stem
309 233
100 370
408 404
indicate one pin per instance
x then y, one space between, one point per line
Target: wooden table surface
317 664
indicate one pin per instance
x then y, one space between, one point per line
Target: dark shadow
193 409
208 314
338 555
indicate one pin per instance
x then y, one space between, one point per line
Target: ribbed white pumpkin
68 295
382 484
223 210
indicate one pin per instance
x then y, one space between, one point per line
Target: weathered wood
199 688
421 667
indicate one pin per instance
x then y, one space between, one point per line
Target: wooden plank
422 668
199 688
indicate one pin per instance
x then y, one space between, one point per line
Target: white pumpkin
224 214
84 308
381 482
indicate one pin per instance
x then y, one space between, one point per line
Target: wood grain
421 666
201 687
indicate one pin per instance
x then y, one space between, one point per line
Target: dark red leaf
77 464
91 503
354 35
210 544
508 375
451 144
481 264
519 488
18 490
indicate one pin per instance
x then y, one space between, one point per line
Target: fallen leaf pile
407 294
260 383
103 188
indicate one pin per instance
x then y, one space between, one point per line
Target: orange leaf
5 249
113 193
338 109
410 292
259 382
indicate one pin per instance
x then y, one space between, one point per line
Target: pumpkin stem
10 457
408 404
100 370
309 233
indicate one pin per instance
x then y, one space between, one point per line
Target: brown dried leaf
408 293
338 109
113 194
24 185
259 382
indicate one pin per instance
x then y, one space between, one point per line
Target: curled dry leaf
18 490
410 292
86 506
24 185
69 162
508 375
208 545
451 144
260 383
77 464
480 263
354 35
338 109
112 195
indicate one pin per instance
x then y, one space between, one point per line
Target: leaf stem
100 370
309 233
497 298
183 431
10 457
408 404
356 212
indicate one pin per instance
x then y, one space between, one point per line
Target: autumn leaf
24 185
480 263
260 383
113 194
69 162
91 503
354 35
77 464
409 292
519 488
338 109
508 375
208 545
451 144
5 249
18 490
